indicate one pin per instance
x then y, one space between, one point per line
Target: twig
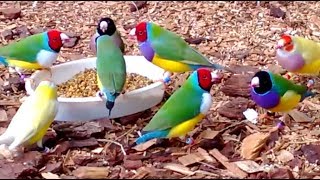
114 142
134 4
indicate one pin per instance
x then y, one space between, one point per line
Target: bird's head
206 78
140 31
106 26
285 43
57 39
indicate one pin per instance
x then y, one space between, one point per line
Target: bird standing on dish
111 70
37 51
276 93
107 26
32 120
169 51
183 110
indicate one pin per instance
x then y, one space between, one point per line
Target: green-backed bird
107 26
38 51
183 110
111 70
168 50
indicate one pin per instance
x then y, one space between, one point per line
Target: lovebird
276 93
168 50
298 55
183 110
107 26
111 70
33 118
38 51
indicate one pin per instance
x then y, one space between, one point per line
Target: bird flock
186 106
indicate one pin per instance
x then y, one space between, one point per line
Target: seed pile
84 84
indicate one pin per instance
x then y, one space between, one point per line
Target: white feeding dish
89 108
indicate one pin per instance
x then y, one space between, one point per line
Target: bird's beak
255 82
216 77
132 33
64 38
280 44
103 26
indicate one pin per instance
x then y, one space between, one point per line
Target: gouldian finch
168 50
298 55
276 93
38 51
111 70
106 26
33 118
183 110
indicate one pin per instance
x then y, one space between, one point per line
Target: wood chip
208 134
178 168
285 156
205 155
49 175
237 172
85 172
299 116
3 115
249 166
190 159
145 146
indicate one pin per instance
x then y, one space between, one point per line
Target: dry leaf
249 166
178 168
285 156
237 172
208 134
49 175
85 172
98 150
252 144
145 146
190 159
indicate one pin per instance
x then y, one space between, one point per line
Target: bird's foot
266 116
45 150
190 143
310 84
99 94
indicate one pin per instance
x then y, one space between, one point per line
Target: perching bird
298 55
276 93
169 51
33 118
111 70
106 26
38 51
183 110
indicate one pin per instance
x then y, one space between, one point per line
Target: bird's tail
308 94
151 135
6 139
109 105
218 66
3 61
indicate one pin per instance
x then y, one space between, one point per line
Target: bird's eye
140 33
205 77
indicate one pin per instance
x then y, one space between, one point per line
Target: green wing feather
283 85
111 67
183 105
169 45
26 49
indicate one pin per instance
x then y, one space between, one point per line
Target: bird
107 26
38 51
183 110
111 70
276 93
168 50
298 55
33 118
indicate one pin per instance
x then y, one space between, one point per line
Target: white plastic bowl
89 108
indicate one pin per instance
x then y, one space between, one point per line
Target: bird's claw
45 150
99 94
190 141
310 83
